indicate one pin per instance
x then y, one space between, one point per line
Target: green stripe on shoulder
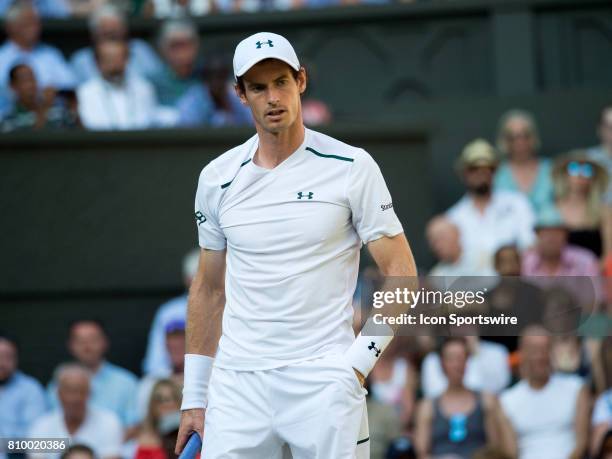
341 158
225 185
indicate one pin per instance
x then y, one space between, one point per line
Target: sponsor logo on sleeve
200 217
384 207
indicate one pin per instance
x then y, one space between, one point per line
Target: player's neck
274 148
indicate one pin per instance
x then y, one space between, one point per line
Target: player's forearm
204 315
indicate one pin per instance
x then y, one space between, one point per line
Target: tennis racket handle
192 448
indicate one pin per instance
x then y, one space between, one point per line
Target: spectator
552 255
511 296
178 45
157 359
393 383
315 112
22 399
548 412
109 23
23 46
213 102
175 9
76 419
175 345
488 219
603 155
32 109
116 99
603 152
601 420
78 451
579 187
523 171
165 399
112 387
459 421
486 369
56 9
444 240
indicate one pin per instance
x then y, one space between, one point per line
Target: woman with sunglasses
579 187
460 421
523 171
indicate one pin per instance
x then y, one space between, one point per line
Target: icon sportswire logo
305 195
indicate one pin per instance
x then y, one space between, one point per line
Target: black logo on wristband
373 347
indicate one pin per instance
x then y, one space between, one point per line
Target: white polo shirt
293 235
544 419
100 430
508 219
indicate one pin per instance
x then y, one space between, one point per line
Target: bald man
549 412
82 423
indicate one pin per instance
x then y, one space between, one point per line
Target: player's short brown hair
240 81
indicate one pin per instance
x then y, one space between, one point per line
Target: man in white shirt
76 420
108 22
116 100
445 242
281 219
549 413
488 219
23 45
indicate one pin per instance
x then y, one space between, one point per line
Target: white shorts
310 410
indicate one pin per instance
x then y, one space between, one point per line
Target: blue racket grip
192 448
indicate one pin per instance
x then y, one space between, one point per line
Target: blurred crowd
166 9
117 83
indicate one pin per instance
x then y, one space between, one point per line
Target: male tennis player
281 219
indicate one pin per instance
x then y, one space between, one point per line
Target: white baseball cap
260 46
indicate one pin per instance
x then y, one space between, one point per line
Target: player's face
273 95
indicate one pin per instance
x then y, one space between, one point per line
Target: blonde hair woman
522 170
165 399
579 186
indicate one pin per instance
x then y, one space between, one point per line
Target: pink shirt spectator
575 261
578 273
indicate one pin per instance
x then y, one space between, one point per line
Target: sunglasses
159 398
472 169
511 137
576 169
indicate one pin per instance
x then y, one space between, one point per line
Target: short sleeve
370 201
210 235
602 412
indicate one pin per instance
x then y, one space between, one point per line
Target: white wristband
196 376
365 352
